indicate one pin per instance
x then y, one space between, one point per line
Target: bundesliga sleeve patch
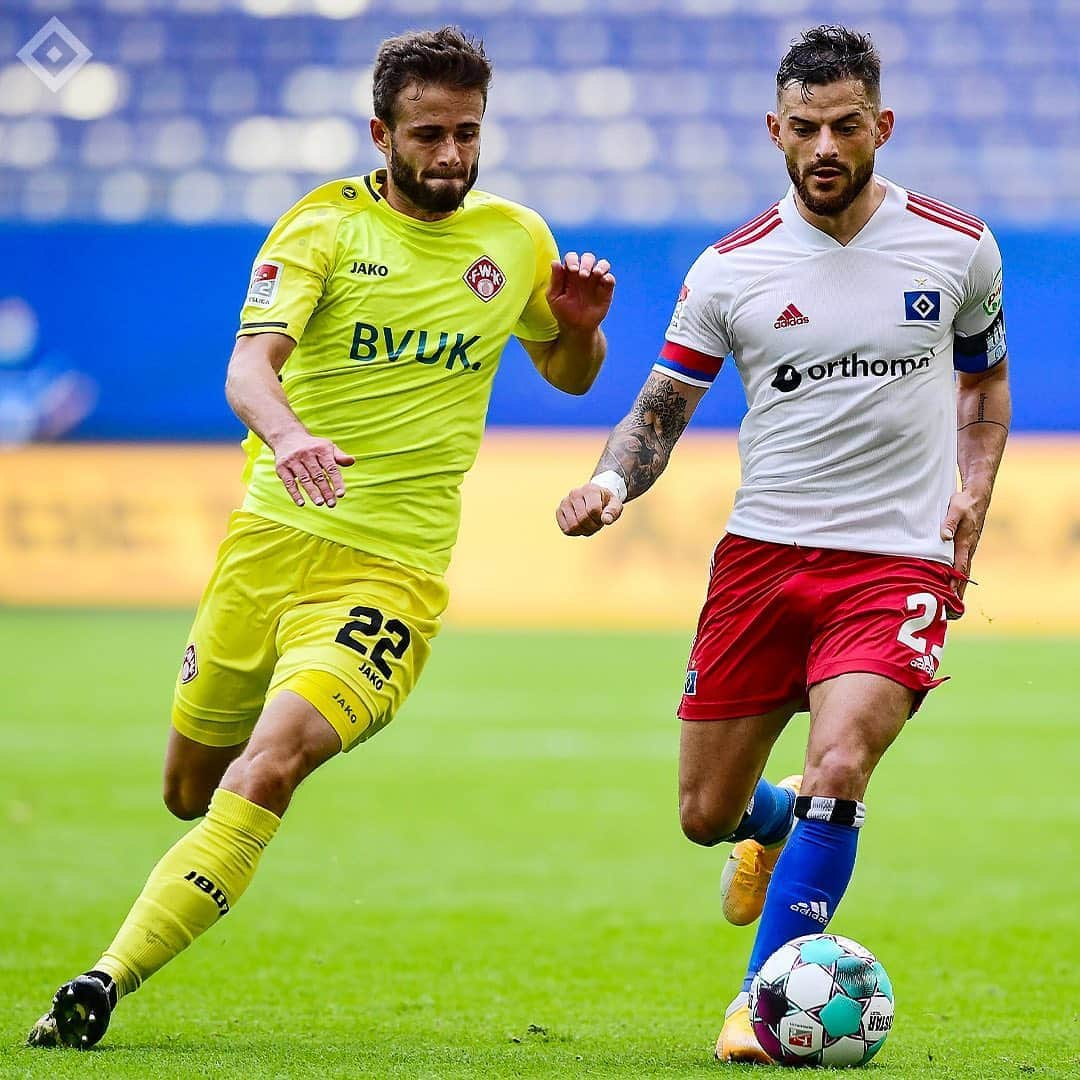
265 279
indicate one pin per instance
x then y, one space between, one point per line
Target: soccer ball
821 1000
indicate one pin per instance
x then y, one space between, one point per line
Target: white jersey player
866 324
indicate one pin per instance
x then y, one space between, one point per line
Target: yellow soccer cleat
737 1042
746 873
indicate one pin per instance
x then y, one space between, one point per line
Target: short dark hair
446 57
827 54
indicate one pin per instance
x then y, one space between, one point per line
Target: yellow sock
196 882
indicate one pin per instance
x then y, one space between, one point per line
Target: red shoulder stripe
749 238
748 227
940 220
945 210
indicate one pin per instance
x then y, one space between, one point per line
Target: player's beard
839 201
434 198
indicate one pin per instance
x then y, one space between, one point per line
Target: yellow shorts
284 610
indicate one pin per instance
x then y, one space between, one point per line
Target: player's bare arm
579 297
637 452
983 414
304 462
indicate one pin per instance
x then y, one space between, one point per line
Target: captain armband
980 352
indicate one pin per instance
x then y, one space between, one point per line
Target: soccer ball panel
846 1051
820 950
841 1016
809 986
780 963
853 947
801 1035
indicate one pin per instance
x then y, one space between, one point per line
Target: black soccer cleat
79 1014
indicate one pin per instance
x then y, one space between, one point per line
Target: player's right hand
587 509
308 464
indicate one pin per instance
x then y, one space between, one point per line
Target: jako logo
370 269
788 378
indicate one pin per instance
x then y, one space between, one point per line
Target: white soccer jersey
846 354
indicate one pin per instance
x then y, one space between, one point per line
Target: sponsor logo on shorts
189 666
347 709
691 683
265 279
925 664
788 378
485 278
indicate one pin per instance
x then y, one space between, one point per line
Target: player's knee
839 772
183 800
706 824
267 777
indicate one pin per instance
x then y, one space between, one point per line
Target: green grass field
496 886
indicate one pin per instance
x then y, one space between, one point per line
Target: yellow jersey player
375 316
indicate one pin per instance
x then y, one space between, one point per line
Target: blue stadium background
133 199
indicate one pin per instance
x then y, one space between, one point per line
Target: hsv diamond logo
54 54
485 278
790 316
922 306
691 683
264 284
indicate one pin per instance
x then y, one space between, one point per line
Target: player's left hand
963 524
580 290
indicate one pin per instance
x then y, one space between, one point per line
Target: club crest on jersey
485 278
922 305
189 667
264 284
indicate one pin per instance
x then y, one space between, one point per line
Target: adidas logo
925 664
790 316
817 910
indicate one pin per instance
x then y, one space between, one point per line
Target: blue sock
811 876
768 818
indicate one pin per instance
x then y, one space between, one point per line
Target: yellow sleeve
536 322
291 271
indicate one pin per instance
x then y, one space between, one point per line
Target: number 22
369 621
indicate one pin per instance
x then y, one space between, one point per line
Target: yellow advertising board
138 525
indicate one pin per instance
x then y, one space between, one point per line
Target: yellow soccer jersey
399 326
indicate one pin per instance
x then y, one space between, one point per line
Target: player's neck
405 206
846 225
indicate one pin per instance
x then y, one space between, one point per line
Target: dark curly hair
446 57
827 54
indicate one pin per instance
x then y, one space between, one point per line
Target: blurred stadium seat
619 111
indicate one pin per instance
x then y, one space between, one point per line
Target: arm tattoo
639 447
980 416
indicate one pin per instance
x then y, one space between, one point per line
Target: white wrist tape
611 481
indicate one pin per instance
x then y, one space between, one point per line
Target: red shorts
780 618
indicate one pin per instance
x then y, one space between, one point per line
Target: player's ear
380 134
772 122
884 124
